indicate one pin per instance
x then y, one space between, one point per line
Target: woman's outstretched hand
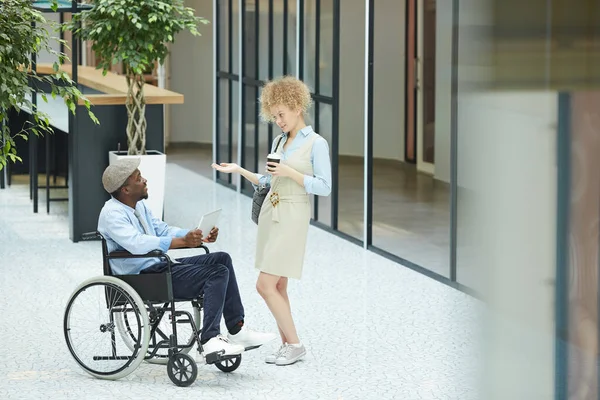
227 168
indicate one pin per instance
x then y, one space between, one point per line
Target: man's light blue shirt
320 182
123 231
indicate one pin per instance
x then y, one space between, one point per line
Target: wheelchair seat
153 287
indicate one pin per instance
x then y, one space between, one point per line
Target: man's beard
144 196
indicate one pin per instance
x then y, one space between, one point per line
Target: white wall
507 217
191 73
509 220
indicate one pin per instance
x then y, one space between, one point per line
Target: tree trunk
136 114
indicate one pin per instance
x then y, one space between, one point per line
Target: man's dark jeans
212 275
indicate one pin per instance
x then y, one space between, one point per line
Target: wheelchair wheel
185 333
230 364
182 369
90 328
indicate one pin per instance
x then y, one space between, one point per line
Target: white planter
152 167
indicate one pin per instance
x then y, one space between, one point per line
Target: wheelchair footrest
218 356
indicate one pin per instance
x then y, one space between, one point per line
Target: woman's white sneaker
271 358
291 354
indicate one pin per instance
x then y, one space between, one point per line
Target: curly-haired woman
305 169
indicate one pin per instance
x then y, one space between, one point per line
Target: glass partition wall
382 100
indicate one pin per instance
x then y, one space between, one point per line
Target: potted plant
136 33
19 38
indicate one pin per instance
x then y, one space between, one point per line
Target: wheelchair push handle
91 236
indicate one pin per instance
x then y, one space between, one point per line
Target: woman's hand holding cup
273 161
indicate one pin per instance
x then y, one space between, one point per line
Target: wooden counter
113 86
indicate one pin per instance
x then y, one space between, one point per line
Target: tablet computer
209 221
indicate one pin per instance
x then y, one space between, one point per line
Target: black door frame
319 98
254 81
231 79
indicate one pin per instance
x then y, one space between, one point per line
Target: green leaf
15 158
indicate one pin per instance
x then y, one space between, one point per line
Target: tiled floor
373 329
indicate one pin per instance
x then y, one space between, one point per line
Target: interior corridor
373 329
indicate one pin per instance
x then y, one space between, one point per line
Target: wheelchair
113 323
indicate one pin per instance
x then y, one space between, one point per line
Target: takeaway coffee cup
274 158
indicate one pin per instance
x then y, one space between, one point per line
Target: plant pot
152 167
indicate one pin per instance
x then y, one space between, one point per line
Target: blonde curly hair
287 91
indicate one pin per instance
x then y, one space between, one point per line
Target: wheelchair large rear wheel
90 328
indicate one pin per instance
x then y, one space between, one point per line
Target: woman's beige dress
282 229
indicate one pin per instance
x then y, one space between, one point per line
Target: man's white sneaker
220 343
271 358
291 354
250 339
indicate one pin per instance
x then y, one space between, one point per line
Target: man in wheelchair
127 224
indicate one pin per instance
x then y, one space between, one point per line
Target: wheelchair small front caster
229 364
182 369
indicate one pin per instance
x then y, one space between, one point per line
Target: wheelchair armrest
203 247
126 254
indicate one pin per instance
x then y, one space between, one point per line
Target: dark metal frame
51 142
254 81
369 120
152 289
454 143
319 98
230 77
34 186
563 193
414 94
452 280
